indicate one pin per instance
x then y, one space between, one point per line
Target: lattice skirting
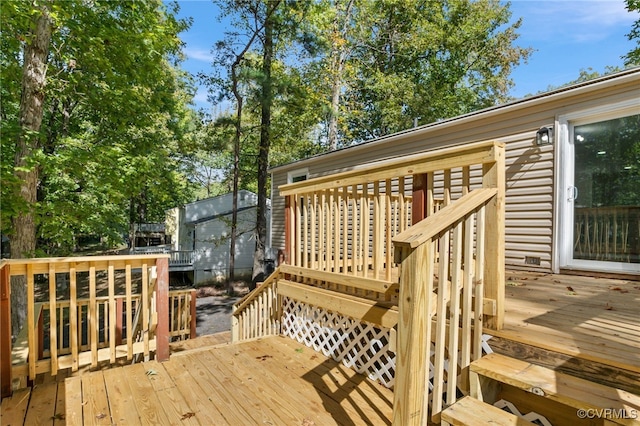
533 417
358 345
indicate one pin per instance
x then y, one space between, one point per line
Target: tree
407 62
96 143
34 73
633 57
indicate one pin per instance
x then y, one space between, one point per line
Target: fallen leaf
58 416
514 284
553 300
101 416
570 288
314 356
308 422
299 350
263 357
188 415
608 307
152 373
621 290
557 281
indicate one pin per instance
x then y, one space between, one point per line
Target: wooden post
5 331
162 306
493 176
419 202
192 323
414 330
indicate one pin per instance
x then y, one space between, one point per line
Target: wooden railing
452 273
81 296
434 277
182 314
177 257
346 226
258 313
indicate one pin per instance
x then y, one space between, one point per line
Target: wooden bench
561 398
471 412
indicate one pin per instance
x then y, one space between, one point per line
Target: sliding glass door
602 210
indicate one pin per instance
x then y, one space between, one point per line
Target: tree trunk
338 58
34 73
236 175
266 102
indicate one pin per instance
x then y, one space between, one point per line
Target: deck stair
561 398
470 412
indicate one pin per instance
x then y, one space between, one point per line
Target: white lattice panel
358 345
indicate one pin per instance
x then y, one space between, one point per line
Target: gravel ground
213 309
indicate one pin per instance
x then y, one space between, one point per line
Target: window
297 175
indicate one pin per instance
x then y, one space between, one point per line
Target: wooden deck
279 381
594 319
268 381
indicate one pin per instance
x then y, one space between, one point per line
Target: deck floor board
267 381
596 319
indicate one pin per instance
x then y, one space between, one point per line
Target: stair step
471 412
574 393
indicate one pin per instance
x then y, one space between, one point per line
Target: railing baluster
441 323
31 321
73 316
454 310
129 315
145 309
345 233
53 322
388 233
312 223
93 319
112 313
479 284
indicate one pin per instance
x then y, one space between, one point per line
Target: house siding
212 247
530 178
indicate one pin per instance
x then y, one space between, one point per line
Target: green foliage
633 57
409 60
116 122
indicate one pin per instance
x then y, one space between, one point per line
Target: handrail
427 228
251 296
457 254
476 153
258 313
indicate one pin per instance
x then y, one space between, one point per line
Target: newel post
411 393
493 176
5 331
162 289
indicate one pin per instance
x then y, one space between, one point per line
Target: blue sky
567 36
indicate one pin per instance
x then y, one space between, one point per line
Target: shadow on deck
267 381
273 380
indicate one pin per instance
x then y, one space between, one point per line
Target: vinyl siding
529 169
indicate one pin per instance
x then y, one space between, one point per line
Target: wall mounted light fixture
544 136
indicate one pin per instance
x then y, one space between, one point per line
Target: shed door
602 212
